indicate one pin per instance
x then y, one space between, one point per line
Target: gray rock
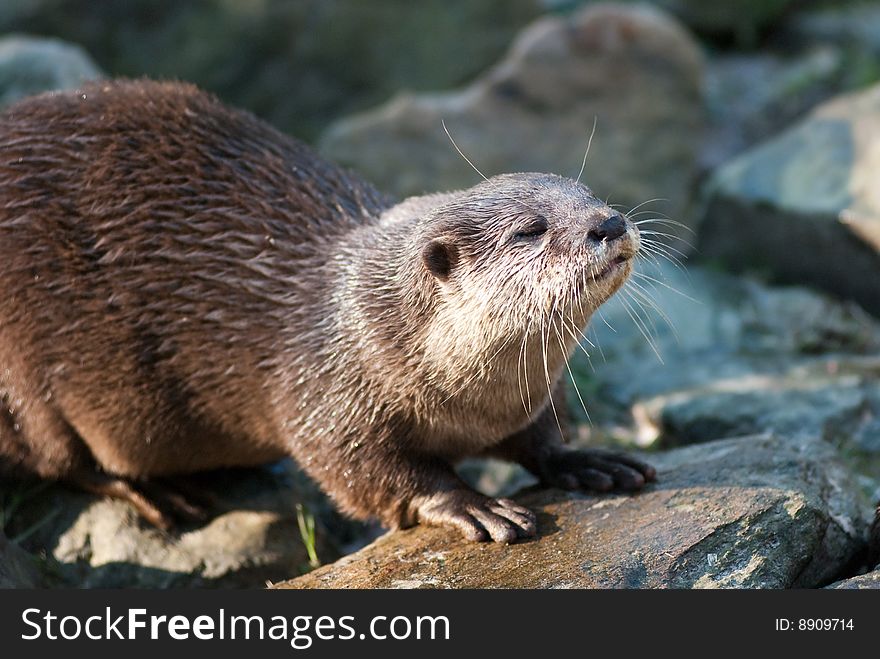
840 410
494 477
804 207
534 110
18 569
30 65
757 512
868 581
297 64
754 95
854 26
253 536
743 20
727 357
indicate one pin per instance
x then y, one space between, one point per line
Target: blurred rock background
747 131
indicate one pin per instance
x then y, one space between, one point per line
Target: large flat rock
755 512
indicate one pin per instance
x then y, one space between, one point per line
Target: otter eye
535 229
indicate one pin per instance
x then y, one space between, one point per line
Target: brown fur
184 288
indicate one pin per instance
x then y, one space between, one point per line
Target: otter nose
611 228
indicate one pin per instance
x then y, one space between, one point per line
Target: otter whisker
663 234
659 250
607 324
598 343
645 256
460 152
639 324
573 331
653 258
587 152
649 302
545 344
521 360
639 307
660 282
648 201
573 382
658 236
647 211
663 219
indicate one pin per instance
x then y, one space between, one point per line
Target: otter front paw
594 469
478 517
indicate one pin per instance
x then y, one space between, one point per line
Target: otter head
519 250
521 261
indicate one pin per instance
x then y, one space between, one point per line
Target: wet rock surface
756 512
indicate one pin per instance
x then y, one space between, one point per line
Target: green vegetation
306 522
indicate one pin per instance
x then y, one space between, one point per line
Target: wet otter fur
184 288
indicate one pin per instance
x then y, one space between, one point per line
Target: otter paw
478 517
594 469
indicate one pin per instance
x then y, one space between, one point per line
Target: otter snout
611 228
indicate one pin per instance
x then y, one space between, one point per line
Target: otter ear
440 258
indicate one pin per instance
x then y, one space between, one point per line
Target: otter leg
402 488
102 485
540 449
158 503
36 441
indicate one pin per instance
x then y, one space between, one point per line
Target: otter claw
479 518
596 470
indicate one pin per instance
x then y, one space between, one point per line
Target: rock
787 407
30 65
298 64
800 206
494 477
743 20
854 26
869 581
729 356
756 512
17 568
754 95
534 110
254 536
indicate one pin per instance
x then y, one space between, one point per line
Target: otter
183 288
